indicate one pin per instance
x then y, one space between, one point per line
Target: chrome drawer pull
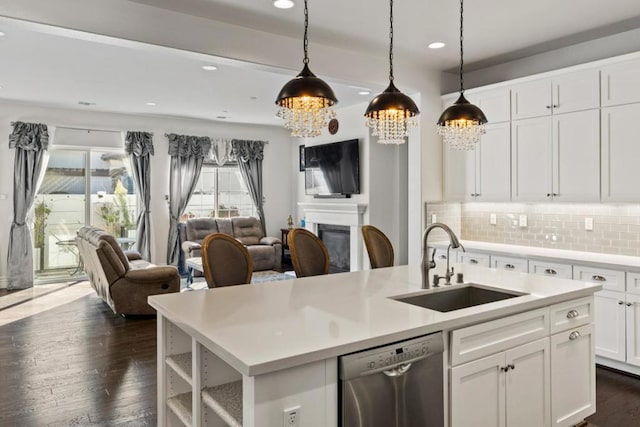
572 314
473 261
550 271
629 304
620 302
509 266
598 278
574 335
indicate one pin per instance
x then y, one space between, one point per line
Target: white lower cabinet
553 269
633 329
511 388
610 325
573 364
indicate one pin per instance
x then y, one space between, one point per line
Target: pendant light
306 101
391 114
462 124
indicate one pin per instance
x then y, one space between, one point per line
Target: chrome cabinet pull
556 105
598 278
572 314
554 194
620 302
473 261
629 304
509 266
511 366
574 335
548 107
550 271
548 194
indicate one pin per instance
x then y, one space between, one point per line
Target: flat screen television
332 170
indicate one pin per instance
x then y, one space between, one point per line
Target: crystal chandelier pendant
391 114
306 101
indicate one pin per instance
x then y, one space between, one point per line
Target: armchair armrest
189 247
152 275
270 241
132 255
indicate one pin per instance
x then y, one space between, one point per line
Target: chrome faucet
426 264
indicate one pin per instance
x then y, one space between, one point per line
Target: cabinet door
633 283
610 325
510 263
633 329
620 83
460 174
478 393
573 376
528 381
531 99
531 159
576 156
495 104
620 153
576 91
493 167
551 269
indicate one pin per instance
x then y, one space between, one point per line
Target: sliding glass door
80 187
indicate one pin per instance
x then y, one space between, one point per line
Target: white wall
277 161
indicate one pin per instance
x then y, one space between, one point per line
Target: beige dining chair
379 247
225 261
309 255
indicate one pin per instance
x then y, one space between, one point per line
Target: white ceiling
63 67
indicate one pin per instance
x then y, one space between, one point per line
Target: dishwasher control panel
387 357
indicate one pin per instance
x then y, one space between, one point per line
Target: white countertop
559 255
271 326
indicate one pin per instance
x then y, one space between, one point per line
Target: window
220 193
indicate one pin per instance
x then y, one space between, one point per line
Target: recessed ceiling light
209 67
436 45
151 104
283 4
364 92
2 34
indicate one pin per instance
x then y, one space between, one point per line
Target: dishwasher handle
398 371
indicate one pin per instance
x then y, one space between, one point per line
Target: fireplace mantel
349 214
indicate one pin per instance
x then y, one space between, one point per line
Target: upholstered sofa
266 252
122 280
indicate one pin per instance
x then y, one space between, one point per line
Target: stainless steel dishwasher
399 385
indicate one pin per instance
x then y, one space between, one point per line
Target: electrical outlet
588 224
292 417
434 218
492 219
523 221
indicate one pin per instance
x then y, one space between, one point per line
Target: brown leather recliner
123 281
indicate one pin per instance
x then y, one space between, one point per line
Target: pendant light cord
306 40
391 41
461 49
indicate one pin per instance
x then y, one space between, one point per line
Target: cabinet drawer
633 283
474 259
611 280
509 263
571 314
491 337
551 269
441 255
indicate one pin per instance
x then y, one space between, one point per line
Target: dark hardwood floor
81 365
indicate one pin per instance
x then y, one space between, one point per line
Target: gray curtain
249 155
139 147
31 141
187 155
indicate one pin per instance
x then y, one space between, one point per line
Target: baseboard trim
619 366
4 282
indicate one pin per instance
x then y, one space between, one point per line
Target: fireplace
337 239
343 216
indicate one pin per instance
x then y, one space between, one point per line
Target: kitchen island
250 352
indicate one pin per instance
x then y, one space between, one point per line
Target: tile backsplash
616 228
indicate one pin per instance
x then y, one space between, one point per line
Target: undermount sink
458 297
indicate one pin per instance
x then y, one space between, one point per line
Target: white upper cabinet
565 93
531 159
620 153
495 104
532 99
460 174
621 83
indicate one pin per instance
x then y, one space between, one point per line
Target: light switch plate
492 219
523 221
588 224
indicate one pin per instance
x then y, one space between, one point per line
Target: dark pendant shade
392 99
462 110
306 84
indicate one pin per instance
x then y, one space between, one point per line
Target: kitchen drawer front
491 337
509 263
473 258
633 283
571 314
441 255
551 269
611 280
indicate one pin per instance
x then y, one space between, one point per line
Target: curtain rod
87 130
212 138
